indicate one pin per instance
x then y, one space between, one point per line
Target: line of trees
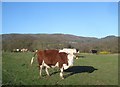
33 42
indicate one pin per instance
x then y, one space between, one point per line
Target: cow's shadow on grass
79 69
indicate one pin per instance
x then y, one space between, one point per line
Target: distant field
90 70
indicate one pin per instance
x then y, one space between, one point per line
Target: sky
88 19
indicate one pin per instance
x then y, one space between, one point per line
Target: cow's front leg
61 73
46 69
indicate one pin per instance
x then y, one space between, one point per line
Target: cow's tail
33 57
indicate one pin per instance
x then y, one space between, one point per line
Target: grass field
90 70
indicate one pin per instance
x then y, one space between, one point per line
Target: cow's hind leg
61 73
46 69
40 70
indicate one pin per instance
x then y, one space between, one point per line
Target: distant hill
58 41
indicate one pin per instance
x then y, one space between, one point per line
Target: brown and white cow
52 58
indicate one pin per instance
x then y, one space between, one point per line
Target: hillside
57 41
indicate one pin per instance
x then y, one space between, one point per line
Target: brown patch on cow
40 56
51 57
63 59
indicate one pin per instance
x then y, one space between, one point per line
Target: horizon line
63 34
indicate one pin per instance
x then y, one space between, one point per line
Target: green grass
16 70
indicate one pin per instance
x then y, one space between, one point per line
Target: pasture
90 70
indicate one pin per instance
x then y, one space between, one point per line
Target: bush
104 52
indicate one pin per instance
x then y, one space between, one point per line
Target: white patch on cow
70 60
44 64
65 66
56 65
68 50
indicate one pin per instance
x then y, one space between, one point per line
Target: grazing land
87 70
